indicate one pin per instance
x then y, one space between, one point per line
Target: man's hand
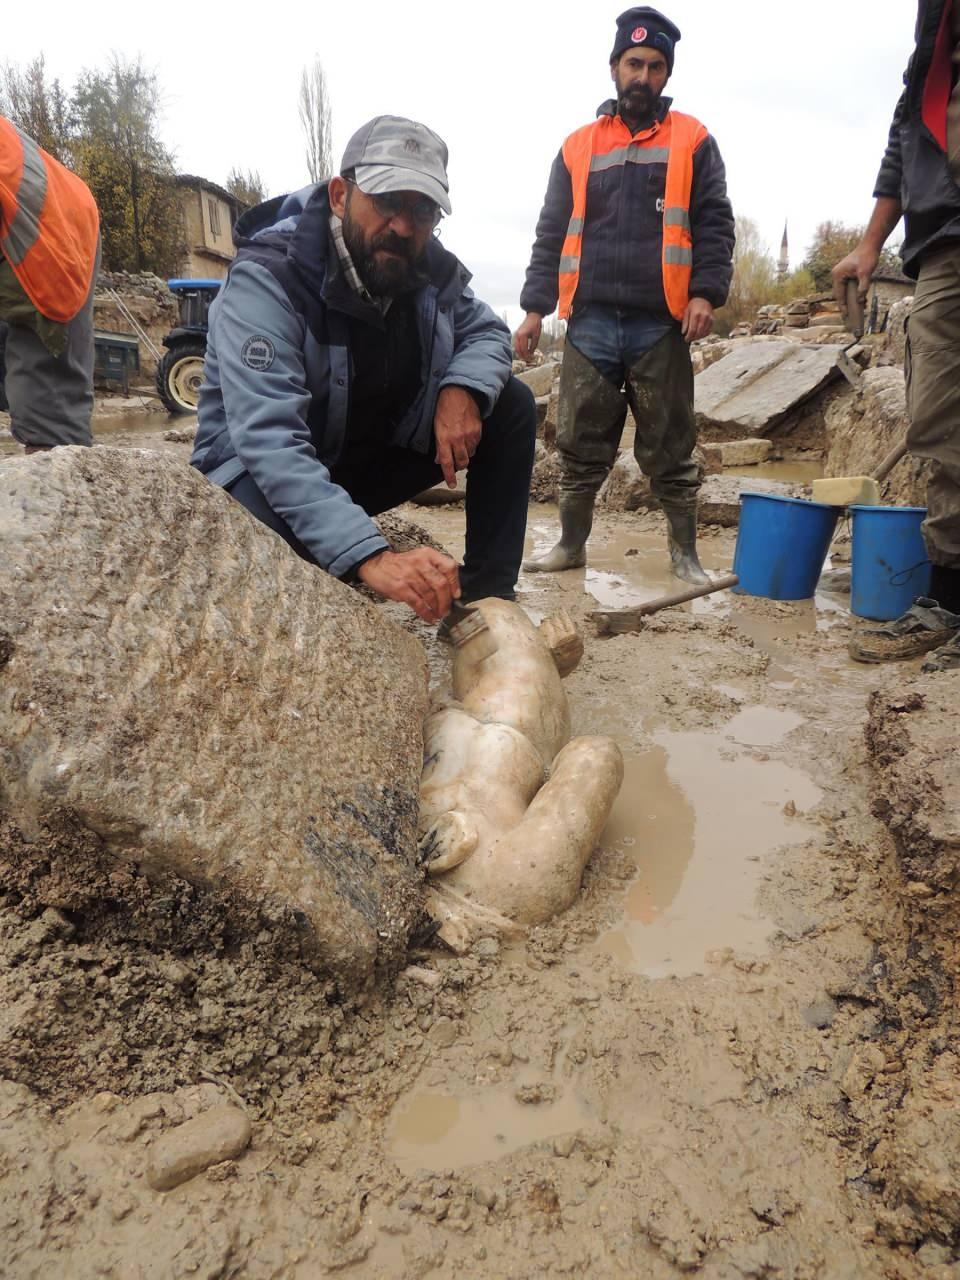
527 338
697 319
860 266
458 428
426 580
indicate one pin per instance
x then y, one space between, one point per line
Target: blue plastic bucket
781 545
890 565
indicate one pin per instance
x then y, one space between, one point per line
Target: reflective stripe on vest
49 226
599 147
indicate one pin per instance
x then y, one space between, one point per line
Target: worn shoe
923 627
946 658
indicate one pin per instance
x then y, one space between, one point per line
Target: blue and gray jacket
275 400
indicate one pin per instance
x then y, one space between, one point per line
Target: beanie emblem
639 35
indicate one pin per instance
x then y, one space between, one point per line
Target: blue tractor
180 369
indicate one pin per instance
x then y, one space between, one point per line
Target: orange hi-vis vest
49 226
608 142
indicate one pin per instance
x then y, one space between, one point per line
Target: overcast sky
798 94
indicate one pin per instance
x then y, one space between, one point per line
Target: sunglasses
423 212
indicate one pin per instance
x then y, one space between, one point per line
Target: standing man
636 241
49 251
349 366
920 181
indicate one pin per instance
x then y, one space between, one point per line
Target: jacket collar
302 222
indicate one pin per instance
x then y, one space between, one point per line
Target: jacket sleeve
713 226
542 286
890 177
266 401
482 359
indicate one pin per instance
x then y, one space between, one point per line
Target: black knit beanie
646 27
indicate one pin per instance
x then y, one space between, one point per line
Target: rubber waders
682 542
576 521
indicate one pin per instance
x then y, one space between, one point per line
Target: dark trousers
498 491
614 358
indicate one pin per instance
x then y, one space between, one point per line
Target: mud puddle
126 426
439 1131
698 813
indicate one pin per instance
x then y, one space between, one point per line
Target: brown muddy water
133 424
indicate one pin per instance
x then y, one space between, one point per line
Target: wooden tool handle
889 462
621 621
854 308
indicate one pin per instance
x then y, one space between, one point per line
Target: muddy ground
733 1057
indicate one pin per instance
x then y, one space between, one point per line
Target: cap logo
639 35
412 145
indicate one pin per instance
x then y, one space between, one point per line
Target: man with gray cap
349 367
635 240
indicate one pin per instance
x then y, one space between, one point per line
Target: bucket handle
903 577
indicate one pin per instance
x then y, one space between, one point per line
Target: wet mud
734 1056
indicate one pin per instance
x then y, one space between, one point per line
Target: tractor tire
179 375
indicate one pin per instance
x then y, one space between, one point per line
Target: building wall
208 227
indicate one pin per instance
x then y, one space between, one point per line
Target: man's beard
384 277
638 102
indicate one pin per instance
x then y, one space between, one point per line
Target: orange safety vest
49 226
608 141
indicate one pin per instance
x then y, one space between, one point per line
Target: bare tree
38 107
247 186
316 120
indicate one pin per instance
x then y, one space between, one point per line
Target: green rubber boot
682 542
576 521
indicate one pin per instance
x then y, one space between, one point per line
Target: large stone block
864 424
720 497
757 386
540 380
175 680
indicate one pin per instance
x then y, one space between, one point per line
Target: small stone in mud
219 1134
487 948
443 1033
535 1093
564 1144
821 1013
486 1197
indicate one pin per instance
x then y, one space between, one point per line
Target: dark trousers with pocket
614 359
498 491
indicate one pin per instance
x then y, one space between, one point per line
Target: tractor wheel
179 375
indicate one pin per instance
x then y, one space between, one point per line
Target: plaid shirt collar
350 271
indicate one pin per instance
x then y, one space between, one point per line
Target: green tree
833 241
119 154
247 185
39 108
754 277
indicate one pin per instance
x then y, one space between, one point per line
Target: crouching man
349 367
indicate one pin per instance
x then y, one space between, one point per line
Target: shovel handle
890 461
621 621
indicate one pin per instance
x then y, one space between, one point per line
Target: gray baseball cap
390 153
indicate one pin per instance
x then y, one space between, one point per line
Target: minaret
783 266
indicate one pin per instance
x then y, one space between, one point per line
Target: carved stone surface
179 683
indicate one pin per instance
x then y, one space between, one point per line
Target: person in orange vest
635 240
49 252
